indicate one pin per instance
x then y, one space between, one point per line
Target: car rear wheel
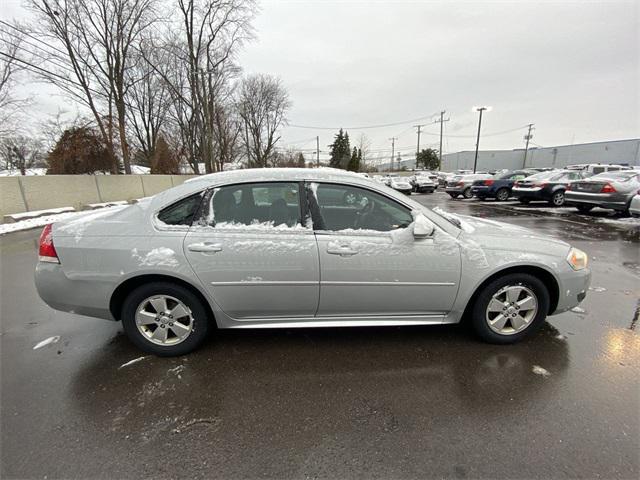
165 319
557 199
502 195
467 193
510 308
584 208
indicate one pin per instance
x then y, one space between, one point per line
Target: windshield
623 176
552 175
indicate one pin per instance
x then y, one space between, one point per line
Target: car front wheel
165 319
510 308
467 193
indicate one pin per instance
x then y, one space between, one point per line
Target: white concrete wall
24 194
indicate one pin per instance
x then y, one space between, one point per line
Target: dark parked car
546 186
612 190
500 185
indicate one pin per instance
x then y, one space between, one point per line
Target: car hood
494 235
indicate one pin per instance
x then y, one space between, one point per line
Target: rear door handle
205 247
342 251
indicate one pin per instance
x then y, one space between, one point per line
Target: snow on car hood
494 235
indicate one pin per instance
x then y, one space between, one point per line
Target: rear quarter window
182 212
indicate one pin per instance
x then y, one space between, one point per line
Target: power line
365 127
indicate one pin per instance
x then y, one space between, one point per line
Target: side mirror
422 226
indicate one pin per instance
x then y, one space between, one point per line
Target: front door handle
205 247
342 251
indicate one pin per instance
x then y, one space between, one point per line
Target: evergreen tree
340 151
79 150
353 161
428 159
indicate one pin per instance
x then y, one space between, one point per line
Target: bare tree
10 105
149 98
263 105
91 48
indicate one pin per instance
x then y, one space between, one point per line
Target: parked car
634 207
613 190
461 184
546 186
424 182
401 184
597 168
276 248
379 178
499 186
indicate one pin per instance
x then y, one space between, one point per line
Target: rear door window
273 204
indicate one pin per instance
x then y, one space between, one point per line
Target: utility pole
475 161
441 122
527 137
419 127
393 150
317 151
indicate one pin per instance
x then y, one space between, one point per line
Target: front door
254 253
370 262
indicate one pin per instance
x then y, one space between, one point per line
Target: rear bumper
573 289
425 188
403 190
73 296
530 193
482 191
614 202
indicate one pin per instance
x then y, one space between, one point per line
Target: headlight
577 259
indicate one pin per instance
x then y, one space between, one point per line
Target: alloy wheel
511 309
164 320
558 199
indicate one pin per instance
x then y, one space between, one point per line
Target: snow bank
37 222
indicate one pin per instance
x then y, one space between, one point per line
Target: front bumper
603 200
573 289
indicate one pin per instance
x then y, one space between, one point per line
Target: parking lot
372 402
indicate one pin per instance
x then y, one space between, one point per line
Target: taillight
608 188
46 251
460 184
568 187
488 182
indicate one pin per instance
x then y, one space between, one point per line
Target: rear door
371 265
254 251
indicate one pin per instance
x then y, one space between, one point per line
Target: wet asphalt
425 402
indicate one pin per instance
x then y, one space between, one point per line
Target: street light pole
527 137
475 161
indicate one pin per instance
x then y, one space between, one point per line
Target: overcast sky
572 68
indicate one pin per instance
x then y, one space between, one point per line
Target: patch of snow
36 222
538 370
561 337
578 310
261 226
93 206
630 221
140 170
157 257
77 226
464 224
131 362
598 289
17 173
40 213
47 341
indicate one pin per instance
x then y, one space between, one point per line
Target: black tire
467 193
502 195
557 198
479 308
524 201
584 208
200 327
453 195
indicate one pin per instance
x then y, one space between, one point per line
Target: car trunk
590 187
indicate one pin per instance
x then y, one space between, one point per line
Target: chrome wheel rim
558 199
164 320
511 309
503 195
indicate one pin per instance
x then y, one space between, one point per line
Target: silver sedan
285 248
611 190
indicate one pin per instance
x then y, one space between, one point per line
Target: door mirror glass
422 226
